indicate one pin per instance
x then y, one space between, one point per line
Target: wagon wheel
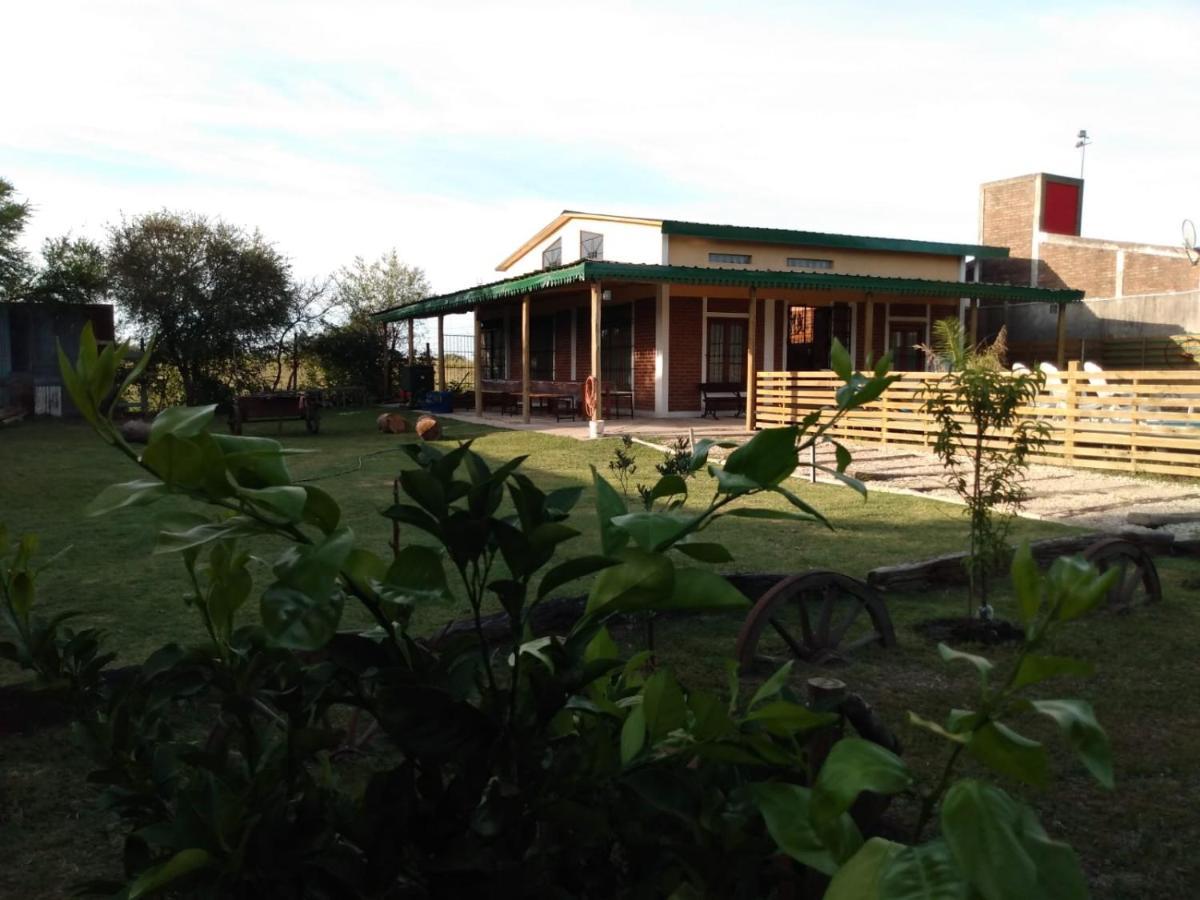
1137 584
819 617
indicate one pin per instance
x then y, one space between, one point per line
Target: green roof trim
821 239
590 270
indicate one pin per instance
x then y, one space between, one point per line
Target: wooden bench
718 395
277 406
504 395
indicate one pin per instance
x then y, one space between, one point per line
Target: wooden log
949 569
825 694
1158 520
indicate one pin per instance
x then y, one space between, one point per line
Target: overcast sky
453 131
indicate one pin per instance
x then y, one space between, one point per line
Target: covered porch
600 340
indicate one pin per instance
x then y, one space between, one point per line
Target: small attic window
805 262
552 255
591 245
739 259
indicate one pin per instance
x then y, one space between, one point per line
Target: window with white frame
740 259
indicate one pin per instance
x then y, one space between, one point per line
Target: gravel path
1084 498
1081 497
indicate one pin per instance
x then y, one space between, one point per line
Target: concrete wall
686 250
1144 315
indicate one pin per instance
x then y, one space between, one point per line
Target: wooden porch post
751 370
478 364
411 346
869 331
598 410
973 332
525 358
441 353
1062 336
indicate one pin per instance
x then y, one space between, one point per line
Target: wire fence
459 352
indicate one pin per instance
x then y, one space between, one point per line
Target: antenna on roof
1190 247
1081 145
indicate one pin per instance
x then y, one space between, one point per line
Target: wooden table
555 404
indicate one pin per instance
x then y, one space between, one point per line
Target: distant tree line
229 313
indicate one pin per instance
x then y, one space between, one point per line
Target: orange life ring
589 397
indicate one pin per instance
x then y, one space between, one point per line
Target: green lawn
51 471
1135 842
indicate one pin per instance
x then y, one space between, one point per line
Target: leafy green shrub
986 455
57 655
524 766
677 459
623 464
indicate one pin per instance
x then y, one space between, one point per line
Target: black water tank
416 379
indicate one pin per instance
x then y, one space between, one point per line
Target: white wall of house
623 242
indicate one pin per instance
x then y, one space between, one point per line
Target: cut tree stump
948 570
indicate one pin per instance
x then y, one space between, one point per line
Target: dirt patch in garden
971 631
24 710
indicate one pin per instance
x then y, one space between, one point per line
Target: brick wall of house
685 351
1147 273
583 347
727 305
1089 269
562 345
1006 220
514 342
643 353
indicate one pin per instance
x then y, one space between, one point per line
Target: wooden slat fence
1126 421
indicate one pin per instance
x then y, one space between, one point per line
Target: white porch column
662 347
598 410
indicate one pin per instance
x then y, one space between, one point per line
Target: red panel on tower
1060 208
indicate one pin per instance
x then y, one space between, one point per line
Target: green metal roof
820 239
593 270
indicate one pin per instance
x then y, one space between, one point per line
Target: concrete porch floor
638 426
